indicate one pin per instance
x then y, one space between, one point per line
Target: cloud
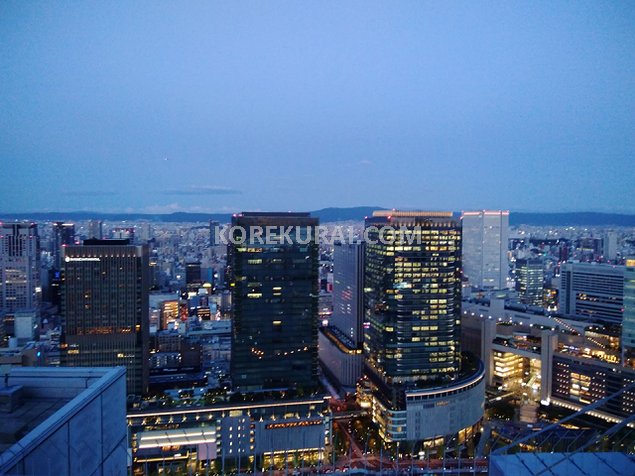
89 193
168 208
365 162
175 207
203 190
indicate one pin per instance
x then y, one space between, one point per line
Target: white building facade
485 244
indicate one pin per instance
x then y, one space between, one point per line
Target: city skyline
207 107
355 237
282 353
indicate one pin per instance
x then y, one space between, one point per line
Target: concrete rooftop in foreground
30 412
561 464
63 421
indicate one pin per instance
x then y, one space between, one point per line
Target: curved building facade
432 413
418 383
428 413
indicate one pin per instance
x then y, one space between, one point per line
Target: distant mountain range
327 215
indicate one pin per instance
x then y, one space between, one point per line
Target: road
487 432
370 465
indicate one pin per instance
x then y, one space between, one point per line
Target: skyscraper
213 228
63 235
413 299
215 249
146 232
340 347
485 243
193 279
105 308
609 246
96 229
628 321
529 281
19 267
274 288
348 289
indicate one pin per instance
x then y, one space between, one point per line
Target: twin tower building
396 319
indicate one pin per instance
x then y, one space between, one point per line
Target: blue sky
227 106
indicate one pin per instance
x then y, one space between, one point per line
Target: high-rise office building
413 303
95 229
63 234
592 291
530 281
123 233
348 290
628 321
413 298
213 229
105 308
485 244
193 279
19 267
340 342
146 232
589 248
214 246
274 289
609 246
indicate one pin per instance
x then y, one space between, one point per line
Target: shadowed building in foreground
64 421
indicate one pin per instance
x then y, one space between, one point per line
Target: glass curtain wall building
348 290
485 244
63 234
412 297
274 284
529 281
105 308
628 322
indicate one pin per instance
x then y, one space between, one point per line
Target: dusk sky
229 106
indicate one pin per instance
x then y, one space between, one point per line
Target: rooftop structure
63 421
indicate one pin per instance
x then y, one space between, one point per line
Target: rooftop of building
106 242
471 366
220 400
26 416
274 214
340 339
35 401
597 323
275 218
413 218
593 267
562 464
410 214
